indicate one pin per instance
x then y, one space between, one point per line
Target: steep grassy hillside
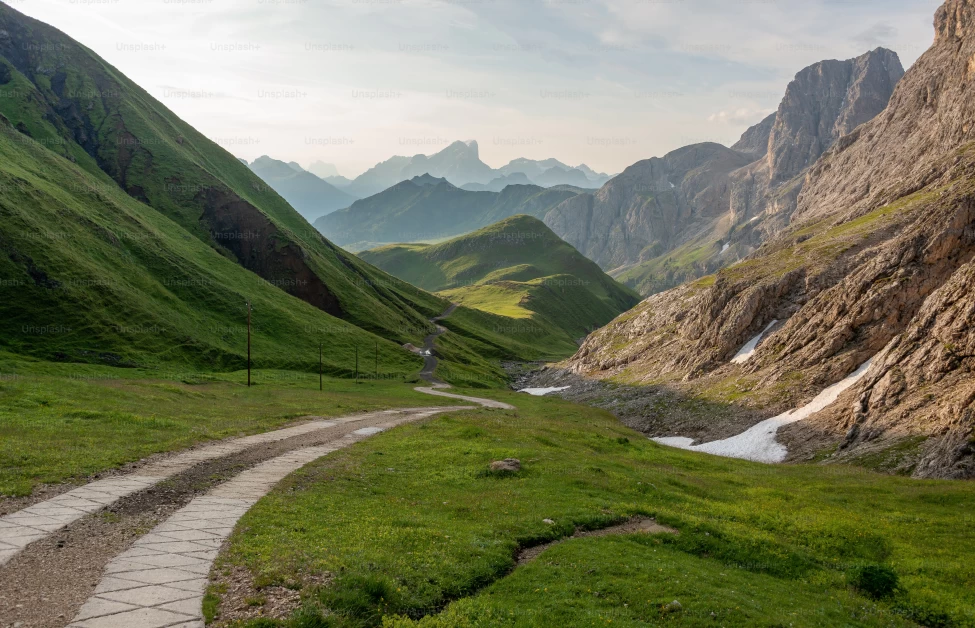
89 274
69 100
426 208
517 269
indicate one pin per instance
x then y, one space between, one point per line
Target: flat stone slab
159 582
21 528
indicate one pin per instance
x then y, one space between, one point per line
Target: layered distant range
319 189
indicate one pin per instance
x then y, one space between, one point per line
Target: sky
354 82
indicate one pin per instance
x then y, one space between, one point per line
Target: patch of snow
675 441
745 353
727 245
754 219
541 392
672 186
758 443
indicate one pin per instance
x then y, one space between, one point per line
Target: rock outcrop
878 262
822 104
700 198
644 211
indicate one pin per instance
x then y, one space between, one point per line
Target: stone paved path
19 529
160 581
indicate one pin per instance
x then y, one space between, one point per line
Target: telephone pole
321 385
377 360
248 344
357 364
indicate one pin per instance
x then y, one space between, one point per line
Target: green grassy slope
65 422
411 524
517 269
89 274
71 101
691 261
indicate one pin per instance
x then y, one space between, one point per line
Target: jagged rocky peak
826 101
754 141
909 146
876 265
954 20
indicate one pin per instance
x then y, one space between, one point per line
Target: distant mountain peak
427 180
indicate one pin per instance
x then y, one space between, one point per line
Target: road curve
430 363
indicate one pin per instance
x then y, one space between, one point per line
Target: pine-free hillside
676 218
518 269
64 97
878 264
311 196
426 208
90 274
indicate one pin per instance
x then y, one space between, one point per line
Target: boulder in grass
512 465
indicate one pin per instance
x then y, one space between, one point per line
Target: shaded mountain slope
879 264
89 274
428 208
641 213
307 193
71 101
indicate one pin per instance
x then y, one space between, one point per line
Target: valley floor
410 527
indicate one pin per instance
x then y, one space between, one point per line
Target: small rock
548 521
673 607
510 464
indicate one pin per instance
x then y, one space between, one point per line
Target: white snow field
758 443
541 392
745 353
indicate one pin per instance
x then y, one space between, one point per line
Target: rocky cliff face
878 263
701 197
754 141
643 212
823 103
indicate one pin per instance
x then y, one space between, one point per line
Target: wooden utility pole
357 364
248 344
377 360
321 384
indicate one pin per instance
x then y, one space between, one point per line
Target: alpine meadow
487 314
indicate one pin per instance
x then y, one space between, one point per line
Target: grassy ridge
424 209
537 292
89 274
77 105
409 521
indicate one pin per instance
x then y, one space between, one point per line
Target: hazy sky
353 82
